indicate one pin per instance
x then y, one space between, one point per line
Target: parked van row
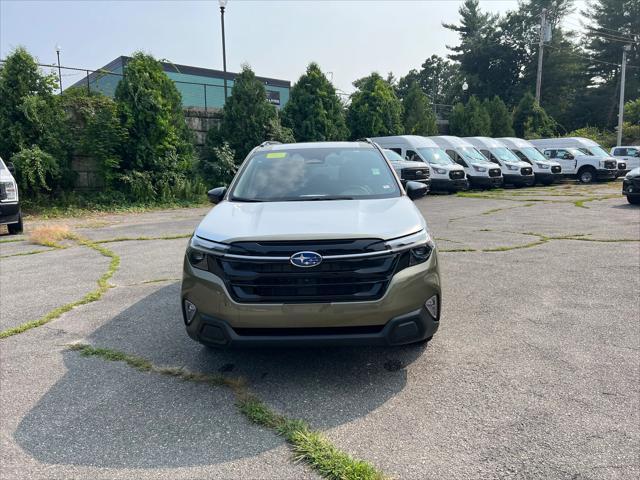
481 162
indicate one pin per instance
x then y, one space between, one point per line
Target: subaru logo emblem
305 259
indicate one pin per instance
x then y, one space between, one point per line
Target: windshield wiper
251 200
327 197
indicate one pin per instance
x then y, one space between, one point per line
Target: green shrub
37 172
218 165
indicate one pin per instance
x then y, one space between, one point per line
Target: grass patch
515 247
95 295
50 235
308 446
143 238
30 252
10 240
84 206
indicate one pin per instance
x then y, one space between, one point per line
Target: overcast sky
277 38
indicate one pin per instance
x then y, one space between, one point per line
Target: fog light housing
432 306
189 311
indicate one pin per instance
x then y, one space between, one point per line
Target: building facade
201 88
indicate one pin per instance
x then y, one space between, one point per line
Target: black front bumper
519 180
9 213
606 174
631 188
547 178
403 329
485 181
449 185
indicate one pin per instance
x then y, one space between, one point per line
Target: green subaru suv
312 243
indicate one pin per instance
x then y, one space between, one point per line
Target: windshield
597 151
393 156
504 155
472 155
533 154
315 174
435 156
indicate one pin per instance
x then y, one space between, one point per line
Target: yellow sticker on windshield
276 155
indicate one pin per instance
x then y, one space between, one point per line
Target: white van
514 171
628 154
446 175
545 170
480 171
576 163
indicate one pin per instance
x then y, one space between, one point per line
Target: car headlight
478 168
511 166
543 166
420 245
199 249
441 171
10 190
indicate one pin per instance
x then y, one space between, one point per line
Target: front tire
633 200
587 175
15 228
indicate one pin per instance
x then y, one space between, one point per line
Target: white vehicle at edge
480 171
9 203
514 171
446 175
575 162
546 171
630 154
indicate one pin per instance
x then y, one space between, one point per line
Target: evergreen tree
418 115
247 114
501 119
375 110
314 111
439 78
158 152
470 120
531 121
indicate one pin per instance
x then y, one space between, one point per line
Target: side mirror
11 168
637 153
216 194
416 190
568 156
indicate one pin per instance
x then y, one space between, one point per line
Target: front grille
301 331
526 170
556 169
494 172
609 164
415 173
456 174
333 280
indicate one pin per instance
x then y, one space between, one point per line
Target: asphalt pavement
534 372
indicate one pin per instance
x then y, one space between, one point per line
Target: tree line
145 150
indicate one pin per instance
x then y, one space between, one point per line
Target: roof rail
270 142
365 139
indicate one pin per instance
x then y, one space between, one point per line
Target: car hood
410 164
311 220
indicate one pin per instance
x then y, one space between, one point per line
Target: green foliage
158 152
500 118
604 137
531 121
375 110
31 116
314 111
418 115
632 111
247 115
470 120
36 171
439 78
217 164
96 130
276 132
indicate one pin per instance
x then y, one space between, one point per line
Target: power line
589 58
619 36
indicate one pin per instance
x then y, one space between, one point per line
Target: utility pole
543 27
58 49
623 68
